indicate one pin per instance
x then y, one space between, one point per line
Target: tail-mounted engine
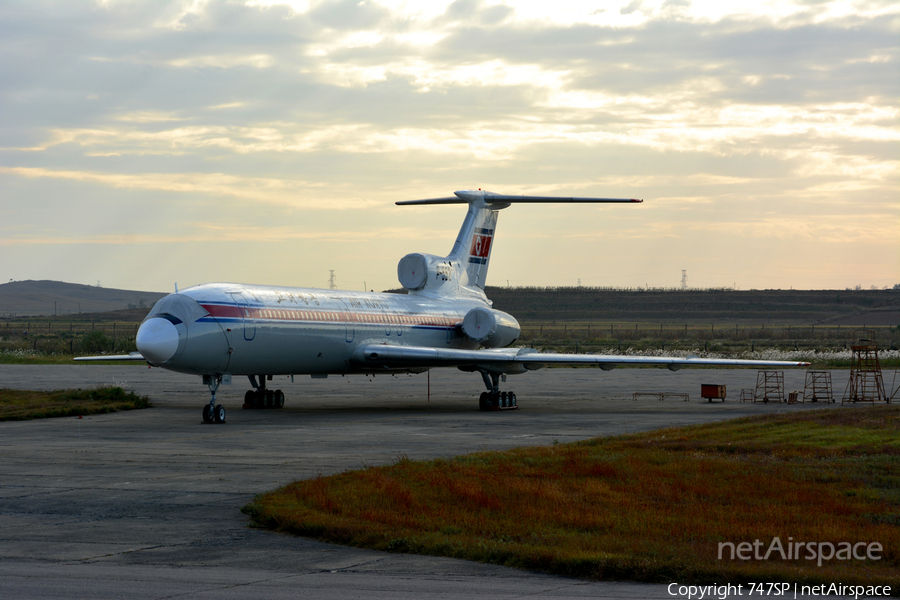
490 328
417 271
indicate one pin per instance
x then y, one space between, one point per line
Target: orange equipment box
710 391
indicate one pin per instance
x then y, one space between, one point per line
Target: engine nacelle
416 271
490 328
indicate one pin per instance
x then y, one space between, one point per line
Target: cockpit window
177 306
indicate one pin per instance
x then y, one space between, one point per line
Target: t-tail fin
463 272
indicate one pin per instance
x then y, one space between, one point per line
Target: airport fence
726 340
69 338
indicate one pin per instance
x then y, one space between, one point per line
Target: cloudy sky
144 143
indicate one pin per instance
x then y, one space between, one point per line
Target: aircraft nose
157 340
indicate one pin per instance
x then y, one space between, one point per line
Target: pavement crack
353 566
194 593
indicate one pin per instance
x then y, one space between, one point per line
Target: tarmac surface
146 504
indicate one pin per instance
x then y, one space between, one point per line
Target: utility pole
331 284
684 279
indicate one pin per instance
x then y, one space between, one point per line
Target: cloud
295 193
268 107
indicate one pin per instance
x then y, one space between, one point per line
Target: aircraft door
350 322
249 323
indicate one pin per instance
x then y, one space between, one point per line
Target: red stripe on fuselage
226 311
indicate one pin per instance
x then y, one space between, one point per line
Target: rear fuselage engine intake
490 328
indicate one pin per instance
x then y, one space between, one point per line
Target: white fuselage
254 330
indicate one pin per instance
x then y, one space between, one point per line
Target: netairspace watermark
817 551
783 590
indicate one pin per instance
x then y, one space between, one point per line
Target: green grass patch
20 405
649 507
28 357
35 358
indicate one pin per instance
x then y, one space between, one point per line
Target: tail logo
481 246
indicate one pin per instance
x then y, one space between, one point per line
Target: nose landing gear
213 413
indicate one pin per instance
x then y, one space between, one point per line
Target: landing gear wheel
497 401
263 398
494 399
213 413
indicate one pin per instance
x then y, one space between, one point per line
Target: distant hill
31 298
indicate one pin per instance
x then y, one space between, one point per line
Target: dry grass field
653 507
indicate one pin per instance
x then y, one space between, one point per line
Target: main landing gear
494 399
213 413
260 397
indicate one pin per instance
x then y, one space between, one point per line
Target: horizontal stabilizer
447 200
513 199
464 197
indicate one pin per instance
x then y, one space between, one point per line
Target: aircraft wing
392 356
132 356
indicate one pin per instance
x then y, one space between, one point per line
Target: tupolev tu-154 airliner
219 330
